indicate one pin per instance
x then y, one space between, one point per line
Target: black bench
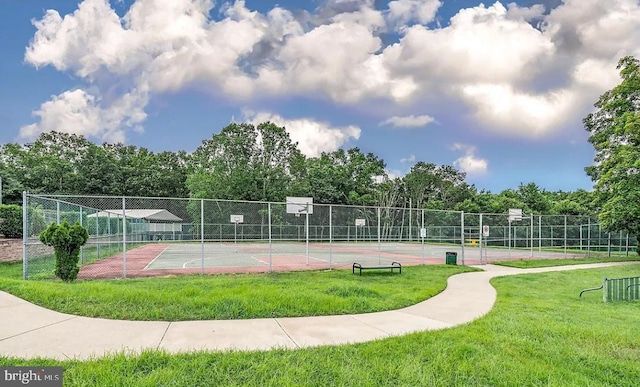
392 266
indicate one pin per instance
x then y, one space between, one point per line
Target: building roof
152 215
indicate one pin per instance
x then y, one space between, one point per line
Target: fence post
25 236
379 241
565 236
589 236
97 236
539 233
81 247
109 230
462 234
330 235
609 244
581 237
509 238
421 236
201 236
620 242
271 241
480 238
124 237
627 246
531 235
410 221
306 231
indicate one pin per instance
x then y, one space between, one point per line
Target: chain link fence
134 236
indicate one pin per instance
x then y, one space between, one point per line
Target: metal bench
392 267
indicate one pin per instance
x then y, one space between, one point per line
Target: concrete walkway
29 331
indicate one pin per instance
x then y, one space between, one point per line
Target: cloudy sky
498 90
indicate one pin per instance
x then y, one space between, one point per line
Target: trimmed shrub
11 224
66 241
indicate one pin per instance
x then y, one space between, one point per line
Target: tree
615 135
343 177
436 186
244 162
534 198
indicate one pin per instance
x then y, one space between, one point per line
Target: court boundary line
154 259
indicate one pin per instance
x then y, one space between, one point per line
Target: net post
124 237
201 236
25 231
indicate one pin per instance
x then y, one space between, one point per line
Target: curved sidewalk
29 331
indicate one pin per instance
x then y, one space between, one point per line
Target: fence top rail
61 197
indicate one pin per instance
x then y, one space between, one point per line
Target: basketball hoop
297 214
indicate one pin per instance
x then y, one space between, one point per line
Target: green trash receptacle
451 258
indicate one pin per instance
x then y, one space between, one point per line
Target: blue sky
498 90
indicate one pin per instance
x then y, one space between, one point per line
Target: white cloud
410 159
516 78
313 137
509 110
402 12
468 162
411 121
80 113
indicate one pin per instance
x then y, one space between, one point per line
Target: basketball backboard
299 205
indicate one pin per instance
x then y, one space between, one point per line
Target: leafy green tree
66 241
245 162
436 186
614 129
344 177
534 198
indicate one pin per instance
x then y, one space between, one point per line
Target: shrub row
11 224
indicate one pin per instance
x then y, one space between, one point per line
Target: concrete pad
396 323
84 337
329 330
25 317
258 334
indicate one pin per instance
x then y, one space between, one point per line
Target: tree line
257 163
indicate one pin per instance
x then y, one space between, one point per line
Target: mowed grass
240 296
538 334
531 263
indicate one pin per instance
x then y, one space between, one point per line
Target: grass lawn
538 334
531 263
240 296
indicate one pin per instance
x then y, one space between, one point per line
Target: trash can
451 258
